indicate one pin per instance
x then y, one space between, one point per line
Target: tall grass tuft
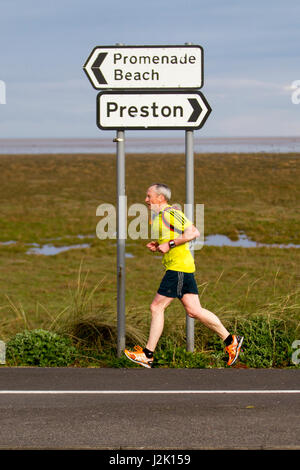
93 326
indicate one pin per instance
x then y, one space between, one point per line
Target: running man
174 232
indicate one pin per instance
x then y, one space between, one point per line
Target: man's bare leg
191 303
158 306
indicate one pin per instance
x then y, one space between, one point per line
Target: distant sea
152 145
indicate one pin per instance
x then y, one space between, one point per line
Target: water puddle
243 241
211 240
50 250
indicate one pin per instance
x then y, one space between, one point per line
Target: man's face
154 200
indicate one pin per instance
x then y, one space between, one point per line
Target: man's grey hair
163 189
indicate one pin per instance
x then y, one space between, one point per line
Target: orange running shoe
234 349
139 357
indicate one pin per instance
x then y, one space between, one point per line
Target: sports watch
172 244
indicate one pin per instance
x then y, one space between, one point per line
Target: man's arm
188 235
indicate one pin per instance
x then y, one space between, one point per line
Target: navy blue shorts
176 284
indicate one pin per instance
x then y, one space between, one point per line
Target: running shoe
234 349
139 357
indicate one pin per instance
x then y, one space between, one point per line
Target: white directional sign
139 67
151 110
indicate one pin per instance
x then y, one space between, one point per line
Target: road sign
140 67
151 110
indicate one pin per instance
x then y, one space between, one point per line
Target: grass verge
73 294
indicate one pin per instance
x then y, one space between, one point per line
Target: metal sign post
121 240
189 212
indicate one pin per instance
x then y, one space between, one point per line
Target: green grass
44 197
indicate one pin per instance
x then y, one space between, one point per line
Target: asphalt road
69 408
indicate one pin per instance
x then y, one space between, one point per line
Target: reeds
92 326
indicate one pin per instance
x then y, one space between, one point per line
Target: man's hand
163 248
152 246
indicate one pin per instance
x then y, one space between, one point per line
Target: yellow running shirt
168 225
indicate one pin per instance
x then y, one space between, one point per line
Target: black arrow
196 109
96 68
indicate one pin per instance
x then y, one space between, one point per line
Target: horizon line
156 137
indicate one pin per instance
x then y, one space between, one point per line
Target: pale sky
251 58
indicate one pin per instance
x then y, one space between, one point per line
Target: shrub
267 341
40 348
